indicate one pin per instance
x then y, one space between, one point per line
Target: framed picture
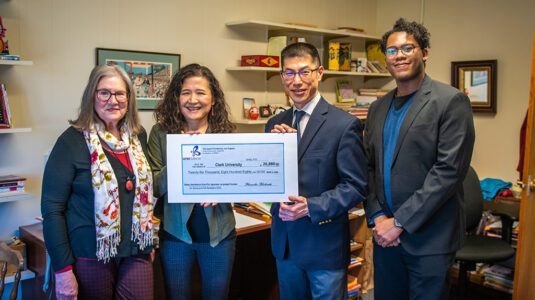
265 111
477 79
248 103
150 72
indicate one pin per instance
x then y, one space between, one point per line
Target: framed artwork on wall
150 72
477 79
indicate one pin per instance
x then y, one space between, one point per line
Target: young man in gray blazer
418 140
310 231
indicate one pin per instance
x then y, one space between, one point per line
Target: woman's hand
190 132
66 286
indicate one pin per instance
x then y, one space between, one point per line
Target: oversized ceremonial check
237 167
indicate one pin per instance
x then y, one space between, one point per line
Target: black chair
478 248
10 256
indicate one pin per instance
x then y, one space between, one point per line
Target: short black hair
300 50
417 30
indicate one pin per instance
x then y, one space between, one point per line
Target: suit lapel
287 116
317 119
419 101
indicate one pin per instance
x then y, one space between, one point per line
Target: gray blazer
431 158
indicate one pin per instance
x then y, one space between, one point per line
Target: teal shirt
220 218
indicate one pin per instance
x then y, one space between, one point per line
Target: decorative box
260 61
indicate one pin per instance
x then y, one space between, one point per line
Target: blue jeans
297 283
178 259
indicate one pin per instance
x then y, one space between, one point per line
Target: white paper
238 167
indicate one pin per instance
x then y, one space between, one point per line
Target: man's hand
295 211
283 128
66 286
385 232
206 204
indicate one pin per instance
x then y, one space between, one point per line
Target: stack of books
374 66
359 110
11 185
9 57
499 278
353 287
355 261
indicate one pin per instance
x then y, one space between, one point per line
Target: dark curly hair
168 113
417 30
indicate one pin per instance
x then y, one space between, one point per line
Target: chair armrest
507 225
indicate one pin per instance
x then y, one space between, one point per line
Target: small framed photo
150 72
247 104
265 111
477 79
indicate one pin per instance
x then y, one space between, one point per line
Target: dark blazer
332 176
431 158
67 202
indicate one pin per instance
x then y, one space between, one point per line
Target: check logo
195 151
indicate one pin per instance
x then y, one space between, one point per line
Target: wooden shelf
11 198
328 33
15 130
16 62
356 247
26 274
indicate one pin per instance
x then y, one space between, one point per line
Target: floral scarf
107 216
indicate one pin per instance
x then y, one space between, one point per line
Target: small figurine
3 44
254 113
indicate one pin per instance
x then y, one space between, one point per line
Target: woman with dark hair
193 104
97 202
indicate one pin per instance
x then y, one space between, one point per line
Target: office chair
479 248
10 256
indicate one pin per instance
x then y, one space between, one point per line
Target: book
6 118
378 66
371 67
500 272
361 64
344 91
334 53
344 57
276 44
9 57
248 103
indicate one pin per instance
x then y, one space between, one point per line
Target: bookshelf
358 231
316 36
14 130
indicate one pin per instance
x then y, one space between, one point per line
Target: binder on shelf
344 57
334 56
5 115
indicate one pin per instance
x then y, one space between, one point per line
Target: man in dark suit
418 140
310 232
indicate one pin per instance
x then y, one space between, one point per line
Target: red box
260 61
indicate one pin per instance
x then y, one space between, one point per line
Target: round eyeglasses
105 96
406 49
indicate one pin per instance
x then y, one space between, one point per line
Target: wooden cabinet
358 231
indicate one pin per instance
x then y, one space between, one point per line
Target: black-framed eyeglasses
304 74
406 49
105 95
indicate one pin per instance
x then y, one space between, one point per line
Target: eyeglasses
105 96
406 49
304 74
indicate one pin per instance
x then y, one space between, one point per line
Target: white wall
60 37
480 30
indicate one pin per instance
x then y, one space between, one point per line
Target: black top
67 203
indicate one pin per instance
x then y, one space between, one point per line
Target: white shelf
26 274
15 197
16 62
254 69
325 72
250 122
14 130
329 33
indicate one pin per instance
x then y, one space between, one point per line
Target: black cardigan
67 202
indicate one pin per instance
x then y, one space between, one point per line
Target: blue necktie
298 115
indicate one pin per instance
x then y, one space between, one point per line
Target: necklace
129 185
